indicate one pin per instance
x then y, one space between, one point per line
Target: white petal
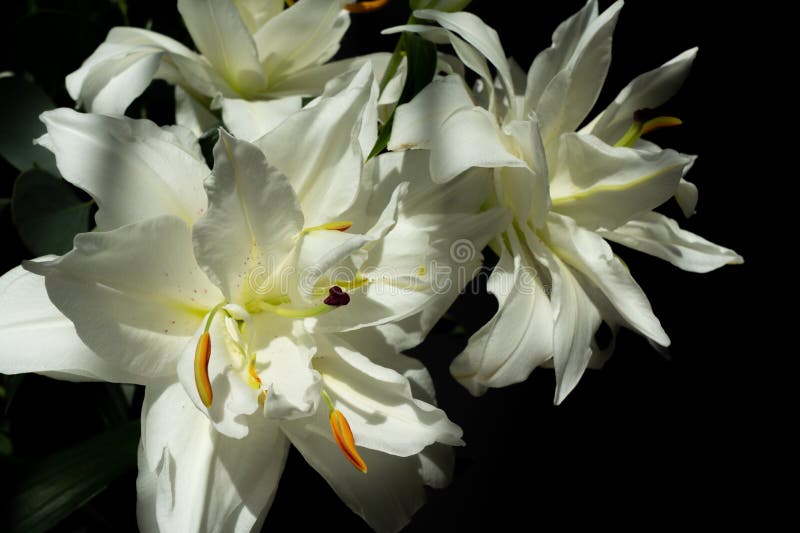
312 80
381 351
526 190
251 220
250 119
132 168
386 497
37 337
602 186
256 12
592 256
417 122
135 294
304 35
378 403
686 196
573 71
469 138
319 149
285 351
576 320
191 114
473 30
414 265
655 234
193 479
220 34
519 337
648 91
124 65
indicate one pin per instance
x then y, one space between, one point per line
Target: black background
674 440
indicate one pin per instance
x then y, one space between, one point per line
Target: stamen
262 397
366 6
202 355
343 436
339 225
252 376
641 126
337 297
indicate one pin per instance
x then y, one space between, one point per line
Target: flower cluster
263 293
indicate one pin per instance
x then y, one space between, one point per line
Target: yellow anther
262 397
366 6
343 435
660 122
344 438
202 355
641 127
252 376
421 270
339 225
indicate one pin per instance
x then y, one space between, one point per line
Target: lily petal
519 337
251 119
326 177
130 58
648 91
470 138
589 254
306 34
416 123
474 31
378 403
565 80
135 294
252 219
386 497
192 478
132 168
220 34
37 337
657 235
602 186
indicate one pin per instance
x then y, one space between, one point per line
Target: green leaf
421 57
21 103
48 212
52 488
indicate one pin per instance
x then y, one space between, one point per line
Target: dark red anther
337 297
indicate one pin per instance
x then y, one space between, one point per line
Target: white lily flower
256 61
228 296
558 278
